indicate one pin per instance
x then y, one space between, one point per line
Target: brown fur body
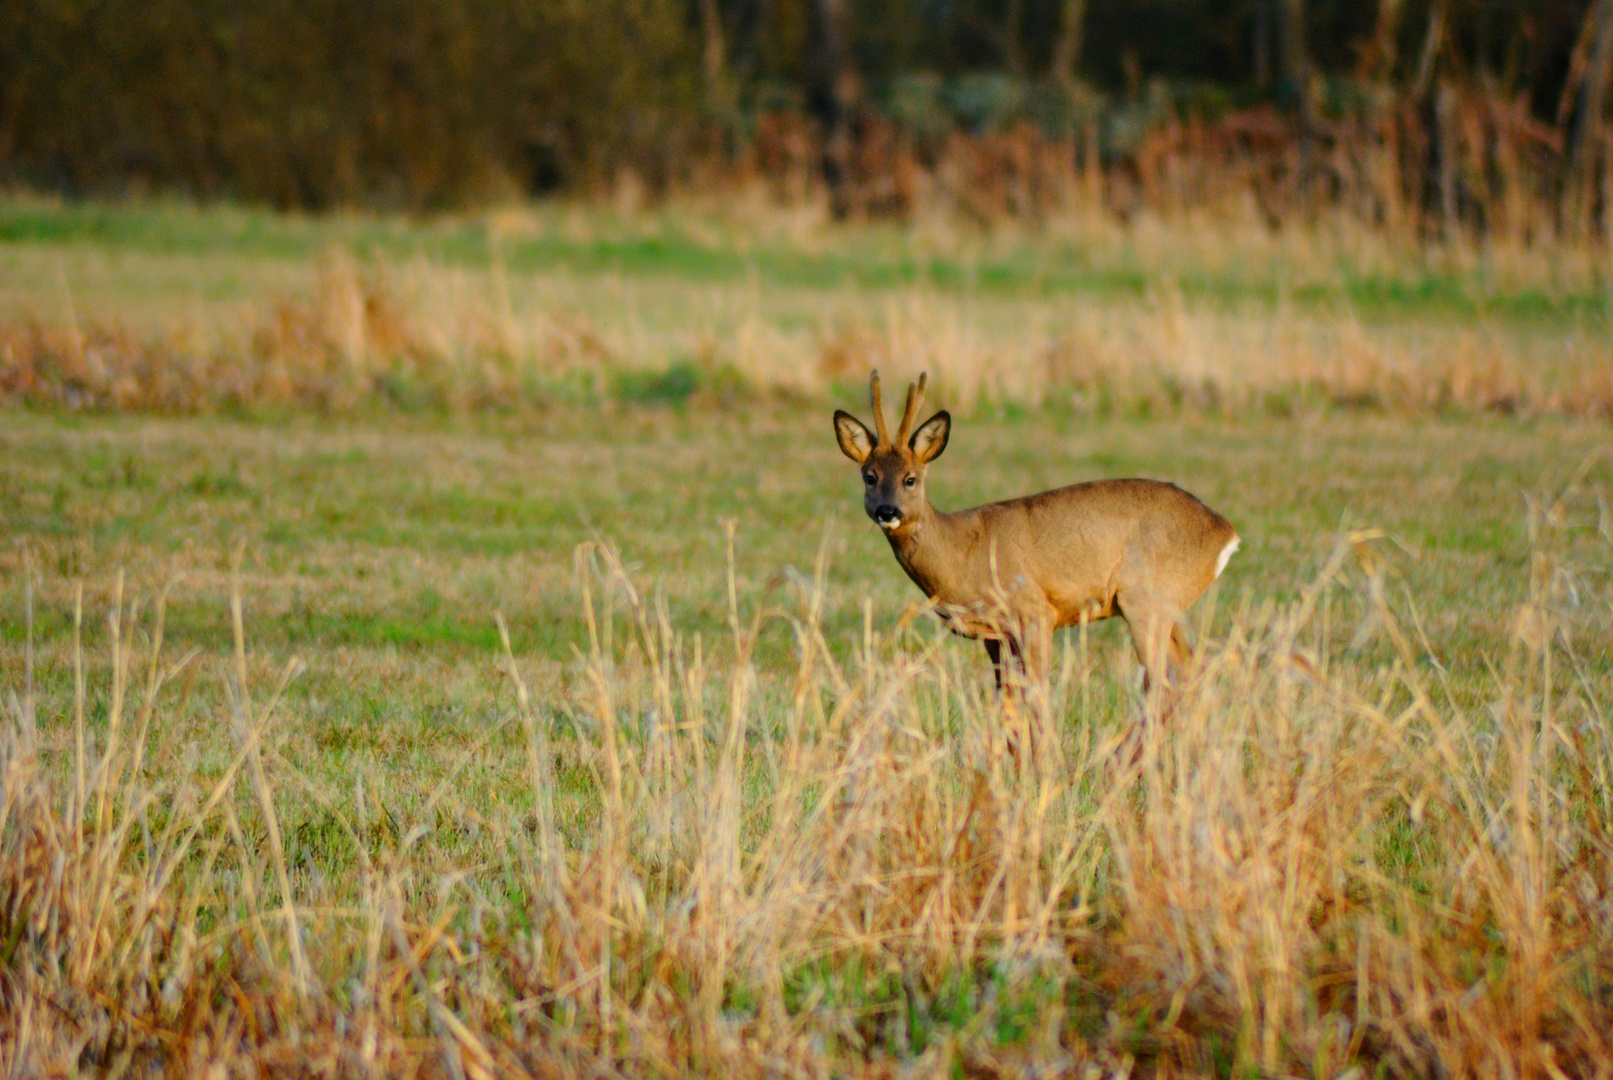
1014 571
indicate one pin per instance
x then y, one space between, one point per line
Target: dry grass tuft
368 334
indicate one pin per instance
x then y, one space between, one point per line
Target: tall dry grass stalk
1330 858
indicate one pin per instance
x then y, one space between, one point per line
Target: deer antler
879 410
915 395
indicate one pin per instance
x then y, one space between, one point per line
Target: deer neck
924 549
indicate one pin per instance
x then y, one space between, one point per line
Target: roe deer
1014 571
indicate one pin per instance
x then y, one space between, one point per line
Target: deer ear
856 441
931 437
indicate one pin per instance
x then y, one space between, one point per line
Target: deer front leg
1016 653
1031 645
994 649
1005 691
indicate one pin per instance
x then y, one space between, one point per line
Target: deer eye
910 481
869 478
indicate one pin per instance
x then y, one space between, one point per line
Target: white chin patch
889 525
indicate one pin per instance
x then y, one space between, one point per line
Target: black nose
887 513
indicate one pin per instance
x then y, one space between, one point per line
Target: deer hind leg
1157 639
1181 653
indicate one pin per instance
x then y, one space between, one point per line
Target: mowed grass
410 533
707 816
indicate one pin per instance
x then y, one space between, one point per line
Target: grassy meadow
455 647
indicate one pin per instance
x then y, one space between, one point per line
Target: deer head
893 469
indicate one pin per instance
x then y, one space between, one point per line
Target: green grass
379 551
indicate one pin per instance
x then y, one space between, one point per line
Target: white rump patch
1226 554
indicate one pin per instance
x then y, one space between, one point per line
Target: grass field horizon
177 309
504 681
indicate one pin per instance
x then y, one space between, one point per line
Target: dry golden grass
1199 314
360 337
1327 862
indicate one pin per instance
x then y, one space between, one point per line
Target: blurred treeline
1437 113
